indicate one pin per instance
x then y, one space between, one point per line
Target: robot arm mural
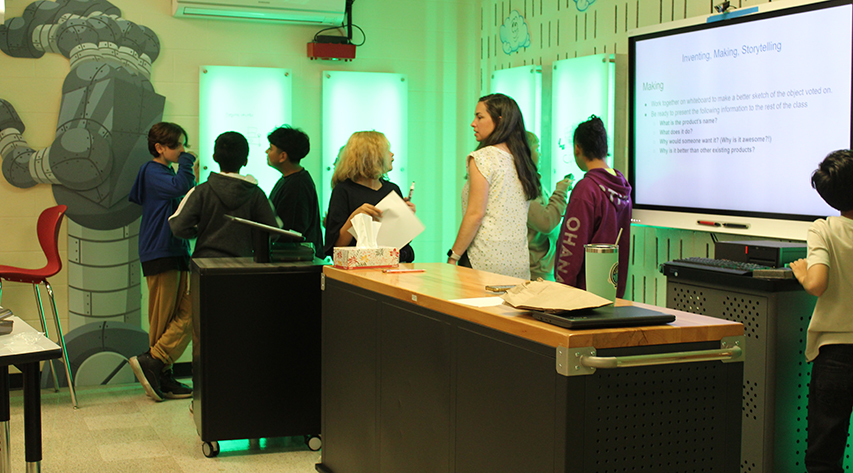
108 105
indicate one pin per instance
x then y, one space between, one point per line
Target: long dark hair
509 129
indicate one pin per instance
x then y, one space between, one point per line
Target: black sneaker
172 388
147 370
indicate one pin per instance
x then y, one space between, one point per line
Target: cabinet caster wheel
314 442
210 449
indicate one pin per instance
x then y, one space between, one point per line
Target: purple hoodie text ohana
600 205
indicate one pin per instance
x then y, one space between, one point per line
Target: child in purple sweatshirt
599 206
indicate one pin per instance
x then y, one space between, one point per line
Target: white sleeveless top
500 245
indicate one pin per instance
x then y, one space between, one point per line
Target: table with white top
26 354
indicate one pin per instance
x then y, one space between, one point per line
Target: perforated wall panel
751 311
775 376
659 419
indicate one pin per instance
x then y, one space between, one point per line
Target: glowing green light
582 87
524 84
360 101
249 100
233 445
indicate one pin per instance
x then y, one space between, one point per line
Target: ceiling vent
304 12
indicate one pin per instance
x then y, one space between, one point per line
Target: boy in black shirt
294 195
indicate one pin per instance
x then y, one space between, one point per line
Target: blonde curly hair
363 157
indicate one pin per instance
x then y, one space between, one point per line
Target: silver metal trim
582 361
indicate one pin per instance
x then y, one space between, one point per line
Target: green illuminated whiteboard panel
524 84
581 87
362 101
249 100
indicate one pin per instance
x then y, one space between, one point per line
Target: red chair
49 223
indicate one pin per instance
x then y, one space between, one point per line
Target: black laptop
604 317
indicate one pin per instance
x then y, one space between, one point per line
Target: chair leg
40 307
68 374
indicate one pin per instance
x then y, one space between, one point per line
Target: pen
708 223
736 225
411 189
403 270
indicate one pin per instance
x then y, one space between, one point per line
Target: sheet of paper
480 301
399 223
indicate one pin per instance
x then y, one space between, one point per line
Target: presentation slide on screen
737 117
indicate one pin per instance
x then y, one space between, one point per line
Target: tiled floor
119 429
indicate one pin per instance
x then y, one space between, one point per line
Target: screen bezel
745 222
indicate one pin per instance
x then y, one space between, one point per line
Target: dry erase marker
395 271
708 223
411 189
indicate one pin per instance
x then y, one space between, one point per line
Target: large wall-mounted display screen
729 118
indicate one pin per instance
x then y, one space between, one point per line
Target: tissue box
349 257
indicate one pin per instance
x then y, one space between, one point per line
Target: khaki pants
169 315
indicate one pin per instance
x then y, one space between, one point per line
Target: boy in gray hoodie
202 212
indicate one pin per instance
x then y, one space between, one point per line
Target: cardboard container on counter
351 257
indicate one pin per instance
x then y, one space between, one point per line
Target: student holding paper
358 184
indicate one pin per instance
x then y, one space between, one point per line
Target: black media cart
256 350
775 314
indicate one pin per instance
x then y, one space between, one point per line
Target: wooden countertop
441 283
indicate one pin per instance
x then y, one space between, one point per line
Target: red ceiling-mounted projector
331 51
334 48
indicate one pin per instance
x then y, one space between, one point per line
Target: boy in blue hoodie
165 261
599 207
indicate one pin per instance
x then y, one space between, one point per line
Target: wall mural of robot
108 105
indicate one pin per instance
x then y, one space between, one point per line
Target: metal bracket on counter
583 361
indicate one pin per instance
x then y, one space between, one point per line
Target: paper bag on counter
548 296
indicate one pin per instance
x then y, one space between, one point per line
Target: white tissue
365 230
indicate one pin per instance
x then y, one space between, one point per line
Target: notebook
605 317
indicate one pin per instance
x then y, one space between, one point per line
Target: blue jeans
830 404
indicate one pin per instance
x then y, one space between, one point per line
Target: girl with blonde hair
358 184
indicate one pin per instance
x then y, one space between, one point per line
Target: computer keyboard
720 265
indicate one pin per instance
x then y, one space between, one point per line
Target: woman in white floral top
502 181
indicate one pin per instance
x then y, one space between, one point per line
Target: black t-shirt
295 200
348 196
